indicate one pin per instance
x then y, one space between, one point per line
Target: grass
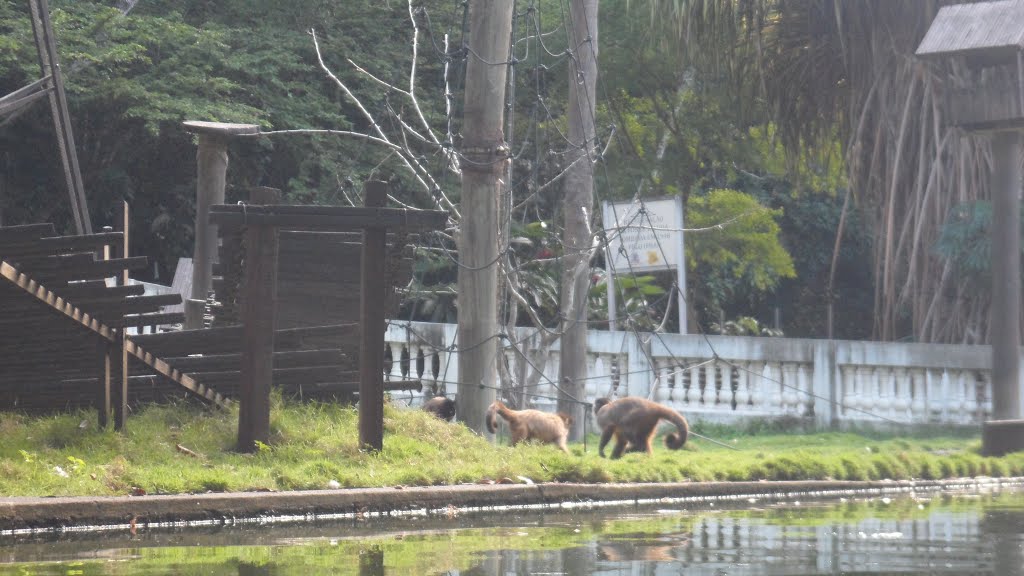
315 444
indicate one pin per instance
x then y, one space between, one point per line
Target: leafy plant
744 326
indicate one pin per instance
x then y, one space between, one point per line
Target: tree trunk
486 157
578 206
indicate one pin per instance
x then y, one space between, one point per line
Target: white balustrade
725 377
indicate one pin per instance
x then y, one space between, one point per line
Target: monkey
632 421
443 408
531 425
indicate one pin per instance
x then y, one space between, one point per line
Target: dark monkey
632 421
443 408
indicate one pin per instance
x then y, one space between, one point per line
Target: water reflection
941 535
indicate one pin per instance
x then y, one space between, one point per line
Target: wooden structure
256 298
63 320
987 38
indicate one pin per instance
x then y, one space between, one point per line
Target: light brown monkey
632 421
443 408
531 425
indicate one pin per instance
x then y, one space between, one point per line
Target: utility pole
578 207
486 156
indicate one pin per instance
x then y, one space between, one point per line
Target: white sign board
643 237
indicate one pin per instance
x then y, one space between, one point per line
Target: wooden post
372 325
259 310
119 353
103 392
212 167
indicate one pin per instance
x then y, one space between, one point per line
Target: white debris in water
887 535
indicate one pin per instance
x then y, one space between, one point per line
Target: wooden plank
327 217
82 291
132 303
150 319
111 307
25 232
372 322
81 270
293 359
61 244
281 376
229 339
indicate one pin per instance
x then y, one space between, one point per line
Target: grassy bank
185 448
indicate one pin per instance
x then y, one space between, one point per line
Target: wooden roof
993 31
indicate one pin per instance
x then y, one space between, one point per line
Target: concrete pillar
212 167
823 383
1006 189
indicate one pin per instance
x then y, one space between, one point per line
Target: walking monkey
524 425
632 421
443 408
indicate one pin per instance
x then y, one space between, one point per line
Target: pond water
932 534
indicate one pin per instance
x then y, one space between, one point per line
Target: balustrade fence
731 378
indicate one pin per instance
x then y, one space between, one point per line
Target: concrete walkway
74 513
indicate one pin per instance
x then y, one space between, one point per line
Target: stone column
212 164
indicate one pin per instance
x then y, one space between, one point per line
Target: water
937 534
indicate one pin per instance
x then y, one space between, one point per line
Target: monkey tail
492 412
675 440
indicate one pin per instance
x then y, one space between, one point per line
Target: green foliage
744 326
637 299
736 242
965 239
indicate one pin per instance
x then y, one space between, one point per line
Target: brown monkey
443 408
531 425
632 421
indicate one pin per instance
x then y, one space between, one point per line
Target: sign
643 236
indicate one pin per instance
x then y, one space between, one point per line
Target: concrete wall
730 378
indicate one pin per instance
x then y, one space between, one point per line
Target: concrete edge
27 515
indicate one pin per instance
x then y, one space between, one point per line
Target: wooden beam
119 361
327 217
294 359
372 323
151 319
61 244
81 291
76 269
258 310
11 234
228 339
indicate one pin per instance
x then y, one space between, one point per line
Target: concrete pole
212 168
486 156
1006 189
578 209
